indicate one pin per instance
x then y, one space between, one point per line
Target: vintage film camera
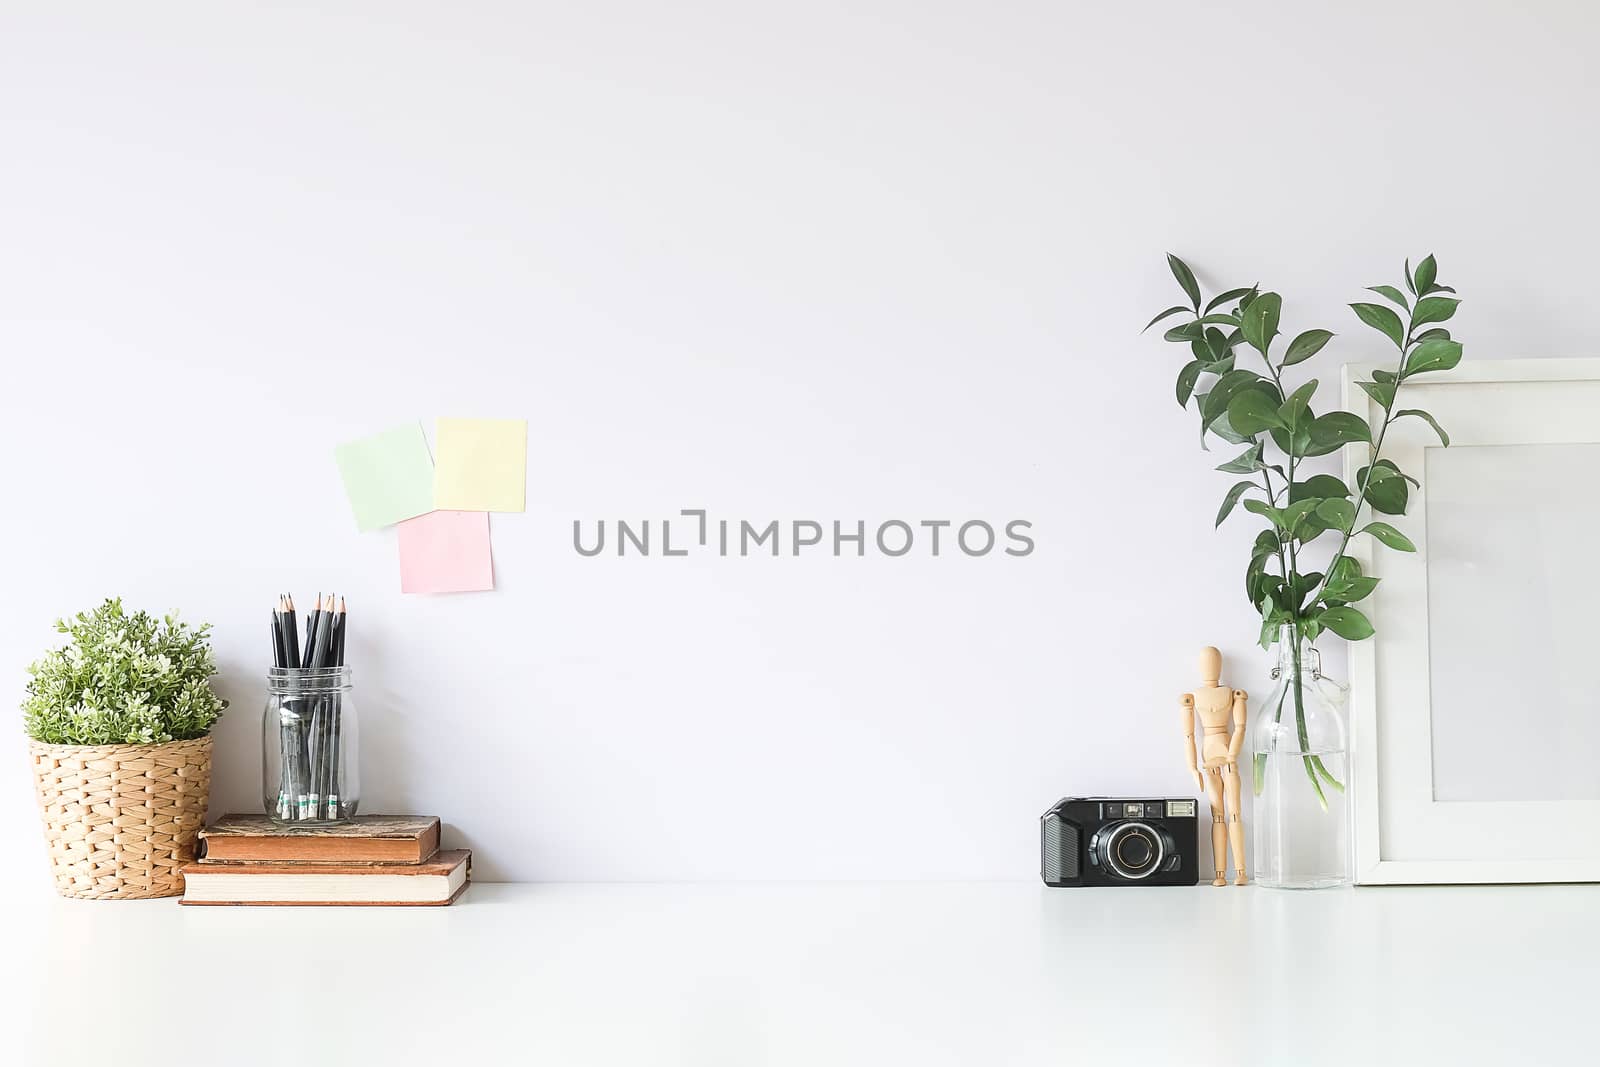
1112 841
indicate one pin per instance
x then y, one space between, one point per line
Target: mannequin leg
1219 829
1230 782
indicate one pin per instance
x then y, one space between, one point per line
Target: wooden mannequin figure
1219 755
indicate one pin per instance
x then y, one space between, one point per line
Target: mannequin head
1210 666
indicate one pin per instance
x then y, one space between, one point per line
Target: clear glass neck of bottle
1310 665
308 681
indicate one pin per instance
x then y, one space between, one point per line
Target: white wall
828 260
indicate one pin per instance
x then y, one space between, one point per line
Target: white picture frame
1499 783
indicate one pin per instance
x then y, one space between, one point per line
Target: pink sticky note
446 552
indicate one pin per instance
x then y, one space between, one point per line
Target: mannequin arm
1240 719
1187 701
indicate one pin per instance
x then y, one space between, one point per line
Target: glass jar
1299 773
309 744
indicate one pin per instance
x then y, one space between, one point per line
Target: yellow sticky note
480 465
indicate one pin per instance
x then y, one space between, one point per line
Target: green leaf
1260 321
1350 590
1218 320
1341 514
1383 376
1264 509
1224 429
1246 462
1176 309
1269 634
1319 485
1297 511
1348 623
1426 271
1383 320
1227 387
1433 309
1266 545
1344 572
1392 293
1189 331
1238 490
1222 298
1382 392
1438 333
1386 492
1322 448
1409 283
1185 276
1385 468
1433 355
1266 593
1186 379
1340 427
1305 346
1389 536
1444 438
1311 527
1253 410
1216 345
1296 406
1300 586
1295 442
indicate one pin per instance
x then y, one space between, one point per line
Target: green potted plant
1300 577
118 722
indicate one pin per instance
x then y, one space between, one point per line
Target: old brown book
378 839
438 881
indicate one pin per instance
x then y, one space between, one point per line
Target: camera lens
1132 850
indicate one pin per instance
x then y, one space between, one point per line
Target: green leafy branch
1280 430
123 678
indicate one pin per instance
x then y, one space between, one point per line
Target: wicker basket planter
121 820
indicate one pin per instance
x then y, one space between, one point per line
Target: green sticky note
483 464
388 476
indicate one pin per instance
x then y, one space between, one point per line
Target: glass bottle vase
1300 772
309 745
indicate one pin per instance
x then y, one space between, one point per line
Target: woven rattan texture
120 821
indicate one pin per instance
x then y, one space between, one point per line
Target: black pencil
291 633
319 634
277 640
327 639
311 629
285 783
331 778
318 650
326 633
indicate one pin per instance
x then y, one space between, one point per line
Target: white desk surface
816 975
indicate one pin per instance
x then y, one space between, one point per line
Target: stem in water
1311 760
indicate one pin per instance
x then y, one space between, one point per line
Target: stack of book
373 860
